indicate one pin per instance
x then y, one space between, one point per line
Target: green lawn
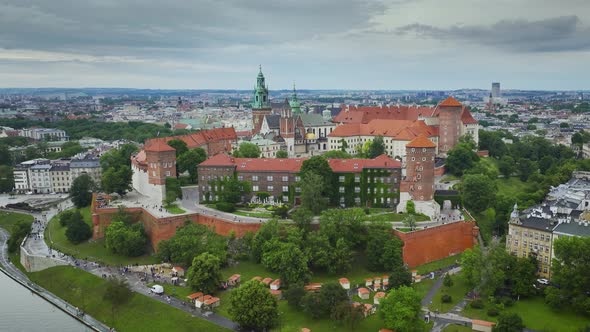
255 214
8 219
55 236
537 315
457 328
457 293
174 209
423 286
511 186
392 216
141 313
437 265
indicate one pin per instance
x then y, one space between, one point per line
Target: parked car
543 281
157 289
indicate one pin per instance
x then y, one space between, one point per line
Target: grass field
174 209
8 219
457 293
254 214
437 265
55 236
392 216
537 315
141 313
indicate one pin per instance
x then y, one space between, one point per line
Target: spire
514 219
294 103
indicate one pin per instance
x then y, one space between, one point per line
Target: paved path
16 274
37 245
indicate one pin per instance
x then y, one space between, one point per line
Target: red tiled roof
198 139
379 295
180 126
363 290
365 114
211 300
220 159
404 130
466 117
482 322
158 146
421 142
195 295
343 281
450 102
357 165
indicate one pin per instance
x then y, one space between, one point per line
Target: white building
40 178
44 134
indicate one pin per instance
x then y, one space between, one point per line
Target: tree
282 154
525 168
341 257
287 260
18 232
232 190
524 276
377 147
319 250
506 166
6 179
252 306
126 240
410 221
81 191
117 180
336 154
204 275
401 310
294 295
178 145
570 271
347 224
460 158
343 145
410 207
382 251
115 158
5 155
479 192
347 315
310 304
303 218
78 231
188 161
248 150
320 166
509 322
470 265
330 295
190 241
117 293
312 192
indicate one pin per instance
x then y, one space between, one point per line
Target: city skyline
351 45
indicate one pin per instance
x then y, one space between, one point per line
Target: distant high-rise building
496 90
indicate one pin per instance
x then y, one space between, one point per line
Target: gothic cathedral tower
260 104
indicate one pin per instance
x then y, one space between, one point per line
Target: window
297 178
297 189
285 189
341 190
241 177
167 173
254 188
357 178
423 149
285 178
357 190
269 178
285 198
423 158
254 177
341 178
357 200
413 159
413 150
270 188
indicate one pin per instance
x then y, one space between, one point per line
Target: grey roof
537 223
273 121
573 228
41 166
86 162
313 120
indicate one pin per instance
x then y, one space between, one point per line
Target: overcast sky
319 44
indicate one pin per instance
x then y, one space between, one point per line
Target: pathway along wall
434 243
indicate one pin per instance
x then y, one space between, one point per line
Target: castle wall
140 182
434 243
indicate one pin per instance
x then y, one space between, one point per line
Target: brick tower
161 160
449 119
418 184
260 104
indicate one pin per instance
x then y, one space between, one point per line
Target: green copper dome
294 102
261 98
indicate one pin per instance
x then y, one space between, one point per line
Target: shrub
446 298
507 302
493 312
225 206
477 304
262 195
367 210
448 281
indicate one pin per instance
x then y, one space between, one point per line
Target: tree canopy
190 241
479 192
377 147
204 274
253 306
81 191
401 310
125 239
247 150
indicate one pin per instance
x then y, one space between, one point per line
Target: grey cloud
565 33
115 26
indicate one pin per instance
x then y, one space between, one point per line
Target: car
29 193
157 289
543 281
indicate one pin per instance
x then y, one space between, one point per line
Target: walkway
38 246
12 271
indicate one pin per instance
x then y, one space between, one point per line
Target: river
22 310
